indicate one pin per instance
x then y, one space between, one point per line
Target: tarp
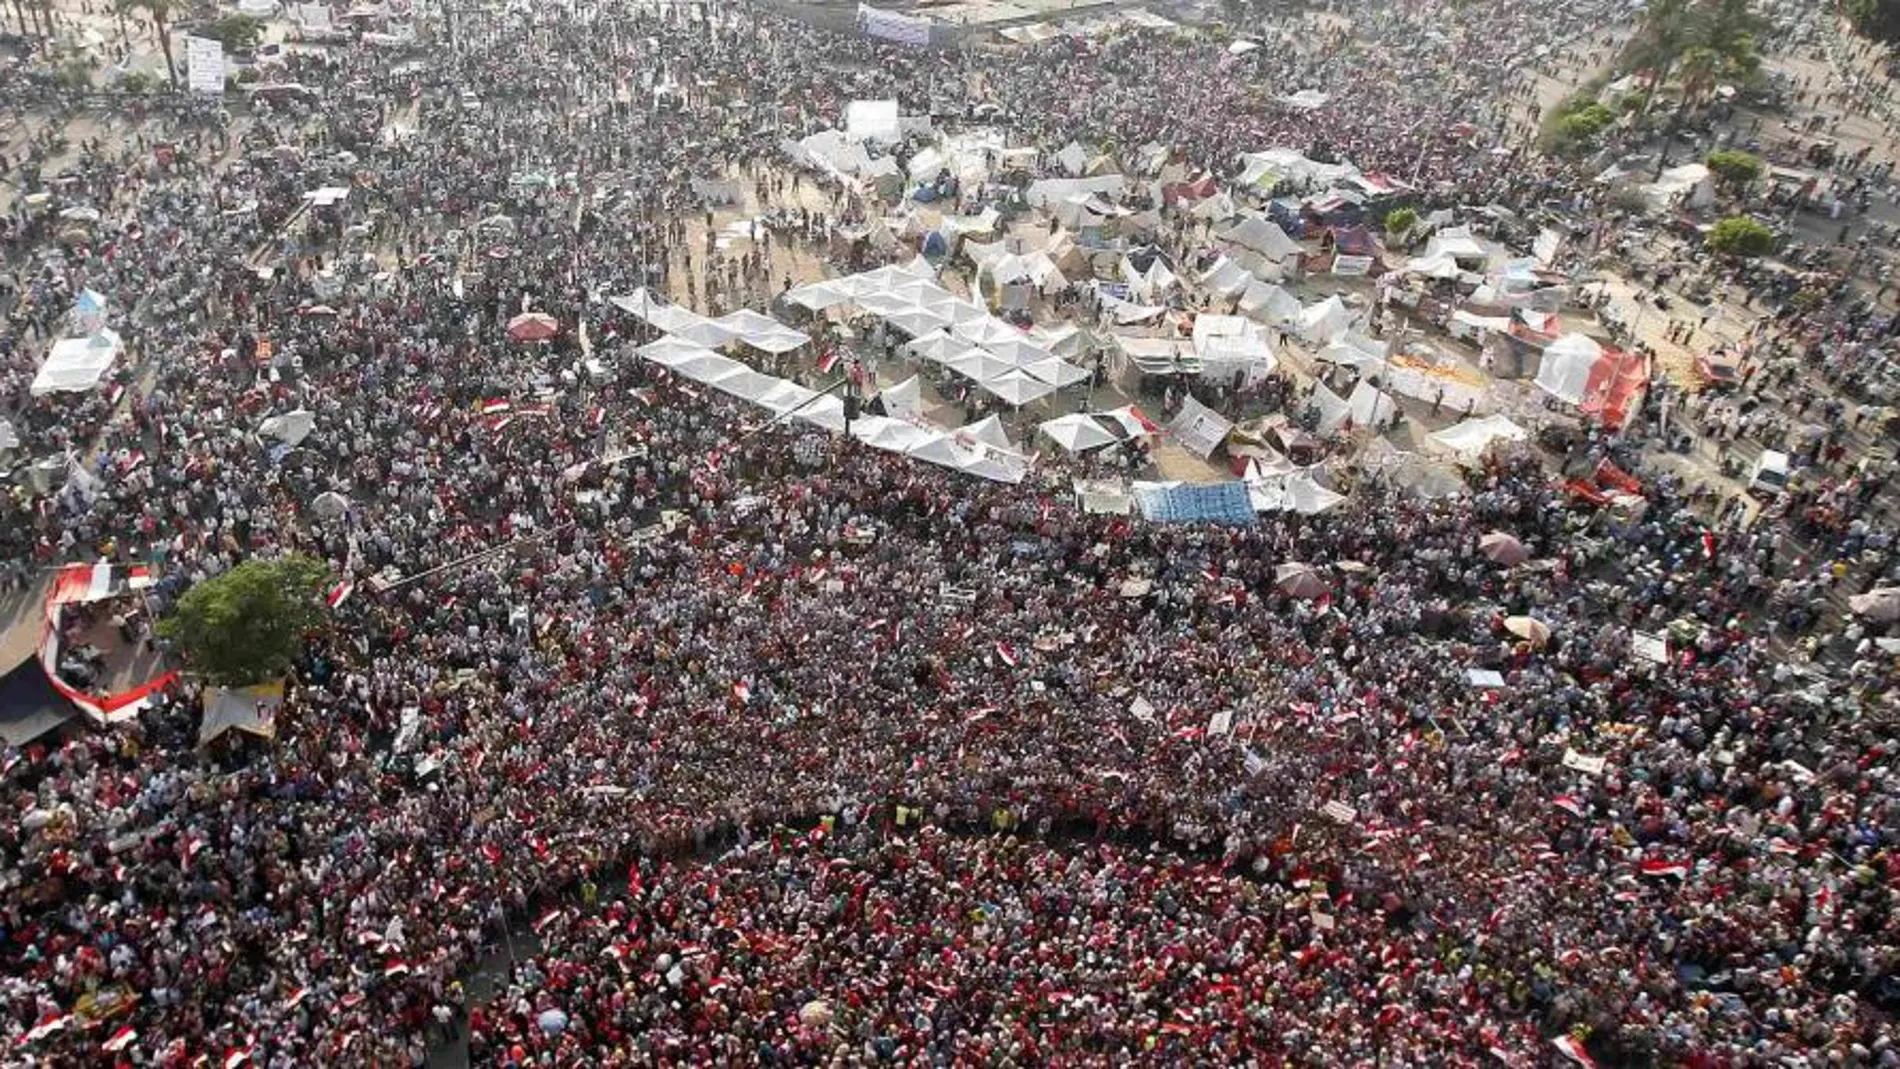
290 428
29 706
1077 432
1322 322
1223 503
761 332
872 120
252 710
989 431
1472 437
1370 408
75 365
1564 371
904 400
1260 235
1456 242
1199 429
1269 303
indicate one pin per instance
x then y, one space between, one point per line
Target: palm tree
19 12
120 9
1665 31
161 13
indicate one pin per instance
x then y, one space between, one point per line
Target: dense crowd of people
774 748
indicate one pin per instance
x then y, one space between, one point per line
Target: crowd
851 759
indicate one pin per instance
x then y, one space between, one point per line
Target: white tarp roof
1017 387
1269 303
904 400
1226 277
989 431
761 332
1077 432
1048 191
1473 436
75 365
1457 242
1564 371
1261 235
1292 165
872 120
1323 321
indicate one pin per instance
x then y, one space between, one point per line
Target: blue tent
936 245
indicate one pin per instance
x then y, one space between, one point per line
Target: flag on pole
828 361
1568 804
340 593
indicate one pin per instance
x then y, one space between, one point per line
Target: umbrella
533 326
330 504
317 310
1300 580
1503 548
1530 629
81 214
552 1021
815 1014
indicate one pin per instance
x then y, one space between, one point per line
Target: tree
1576 124
1740 236
120 9
161 14
1400 221
248 624
1878 19
238 33
1733 168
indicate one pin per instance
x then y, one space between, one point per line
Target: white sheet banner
204 64
1199 428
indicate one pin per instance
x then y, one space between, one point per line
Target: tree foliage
248 624
1704 42
1400 220
1741 236
1734 168
1576 123
238 33
1878 19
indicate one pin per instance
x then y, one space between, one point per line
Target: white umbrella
1531 629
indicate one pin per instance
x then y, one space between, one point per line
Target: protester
770 747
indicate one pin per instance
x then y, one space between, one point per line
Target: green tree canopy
1878 19
1734 168
1400 220
248 624
1740 235
238 33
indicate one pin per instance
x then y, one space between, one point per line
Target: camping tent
1469 439
1260 235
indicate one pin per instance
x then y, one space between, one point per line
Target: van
1770 474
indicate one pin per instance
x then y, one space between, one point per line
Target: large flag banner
204 65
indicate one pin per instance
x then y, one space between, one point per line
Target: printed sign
204 65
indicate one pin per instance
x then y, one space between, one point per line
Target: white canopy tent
75 365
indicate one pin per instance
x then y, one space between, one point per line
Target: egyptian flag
1661 869
46 1028
1708 544
599 415
395 969
495 407
828 361
1573 1050
742 690
296 998
235 1058
1007 653
340 593
1568 804
119 1040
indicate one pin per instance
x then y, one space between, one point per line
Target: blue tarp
1227 503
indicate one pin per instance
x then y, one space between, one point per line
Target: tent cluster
1014 366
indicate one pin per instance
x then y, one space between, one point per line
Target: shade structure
1300 580
976 364
1528 628
672 352
1078 433
1503 549
533 326
1056 372
1017 387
